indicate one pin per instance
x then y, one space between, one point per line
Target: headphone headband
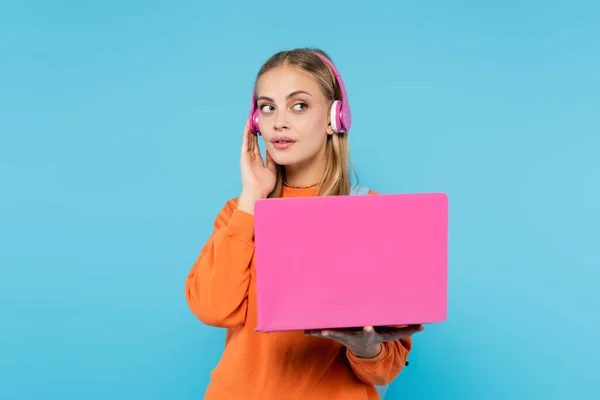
341 116
343 113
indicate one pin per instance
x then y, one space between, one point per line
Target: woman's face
293 115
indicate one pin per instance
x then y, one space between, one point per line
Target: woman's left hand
366 342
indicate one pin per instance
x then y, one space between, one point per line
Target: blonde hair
335 180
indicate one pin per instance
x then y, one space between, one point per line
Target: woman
300 107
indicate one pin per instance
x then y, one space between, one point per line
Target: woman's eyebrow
287 97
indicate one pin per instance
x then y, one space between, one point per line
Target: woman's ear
329 129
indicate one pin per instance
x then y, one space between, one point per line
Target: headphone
341 117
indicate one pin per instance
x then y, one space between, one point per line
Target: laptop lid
351 261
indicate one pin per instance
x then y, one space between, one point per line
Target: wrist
246 202
367 352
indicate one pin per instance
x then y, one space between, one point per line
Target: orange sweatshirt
220 291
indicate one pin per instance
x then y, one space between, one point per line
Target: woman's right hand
258 179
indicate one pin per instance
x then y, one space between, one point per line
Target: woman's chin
284 159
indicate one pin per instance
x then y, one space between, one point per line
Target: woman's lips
282 142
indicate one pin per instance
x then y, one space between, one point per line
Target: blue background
120 128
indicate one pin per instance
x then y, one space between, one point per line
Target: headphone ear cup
345 117
253 117
254 123
336 117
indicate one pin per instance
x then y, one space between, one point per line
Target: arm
387 365
216 288
384 367
376 356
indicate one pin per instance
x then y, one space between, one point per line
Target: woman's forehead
286 79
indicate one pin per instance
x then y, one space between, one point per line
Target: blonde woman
301 109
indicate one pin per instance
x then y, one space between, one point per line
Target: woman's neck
301 176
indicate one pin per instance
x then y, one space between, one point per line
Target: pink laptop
351 261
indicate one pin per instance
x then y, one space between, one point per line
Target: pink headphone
341 117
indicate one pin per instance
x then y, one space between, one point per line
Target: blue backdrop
120 128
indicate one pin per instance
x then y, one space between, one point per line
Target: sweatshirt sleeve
384 367
216 288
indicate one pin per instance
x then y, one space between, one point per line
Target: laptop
351 261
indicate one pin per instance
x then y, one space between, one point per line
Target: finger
245 139
256 146
318 332
251 139
392 334
339 335
369 332
399 328
342 336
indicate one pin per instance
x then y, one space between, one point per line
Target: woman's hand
258 179
366 342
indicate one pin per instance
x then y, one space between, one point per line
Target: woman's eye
266 108
300 106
